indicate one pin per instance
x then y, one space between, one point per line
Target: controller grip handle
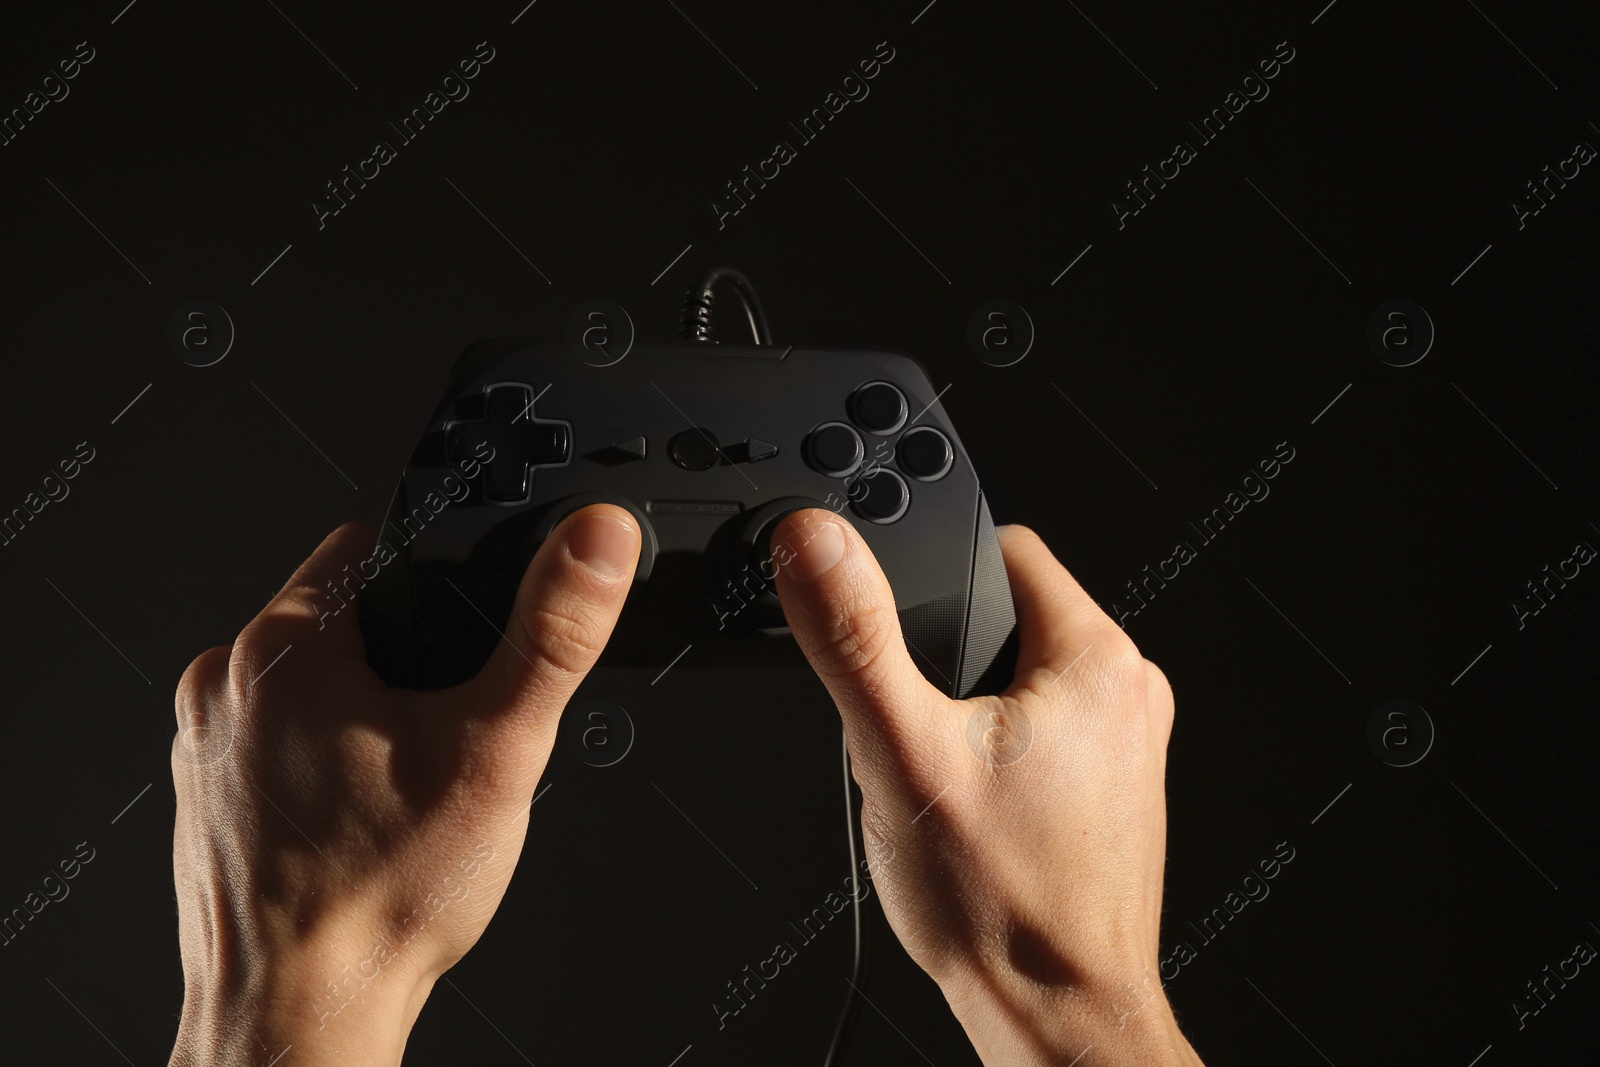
989 650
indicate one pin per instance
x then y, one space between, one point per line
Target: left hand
339 844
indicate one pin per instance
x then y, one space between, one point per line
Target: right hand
1017 841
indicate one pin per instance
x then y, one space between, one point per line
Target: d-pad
520 441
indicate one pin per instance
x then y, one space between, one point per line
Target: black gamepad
708 446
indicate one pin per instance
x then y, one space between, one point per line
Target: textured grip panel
933 636
990 615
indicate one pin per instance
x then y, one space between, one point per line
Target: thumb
841 609
566 608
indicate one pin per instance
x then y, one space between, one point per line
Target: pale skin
340 845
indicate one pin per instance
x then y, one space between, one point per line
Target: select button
694 449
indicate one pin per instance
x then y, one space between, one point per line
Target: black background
1197 338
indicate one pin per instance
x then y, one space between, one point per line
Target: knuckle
207 702
1111 672
861 639
1156 677
201 678
258 643
247 646
1021 533
1124 678
352 531
1124 666
1158 697
1102 626
1118 652
562 638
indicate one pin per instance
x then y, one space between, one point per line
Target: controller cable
696 326
696 322
858 965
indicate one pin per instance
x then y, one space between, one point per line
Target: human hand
339 844
1017 841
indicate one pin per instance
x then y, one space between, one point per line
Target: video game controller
708 447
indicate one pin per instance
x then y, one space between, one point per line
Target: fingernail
818 548
605 544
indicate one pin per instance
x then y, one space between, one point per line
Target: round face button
878 407
925 454
694 450
834 449
881 496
